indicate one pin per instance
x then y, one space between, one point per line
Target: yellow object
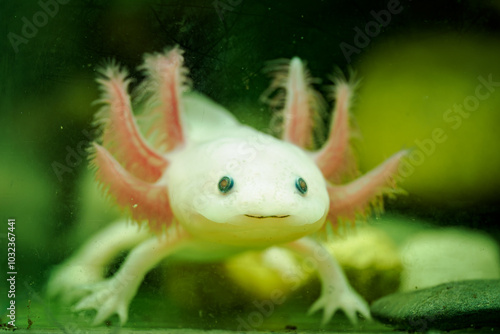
441 97
263 273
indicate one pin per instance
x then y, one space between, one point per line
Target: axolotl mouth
264 217
256 230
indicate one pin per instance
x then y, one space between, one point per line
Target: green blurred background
426 59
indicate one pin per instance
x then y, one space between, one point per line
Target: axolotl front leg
336 293
114 294
88 265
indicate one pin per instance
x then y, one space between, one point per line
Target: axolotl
208 187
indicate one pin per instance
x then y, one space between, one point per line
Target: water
417 64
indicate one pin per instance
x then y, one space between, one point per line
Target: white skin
223 188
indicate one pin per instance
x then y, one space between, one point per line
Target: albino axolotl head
221 181
250 193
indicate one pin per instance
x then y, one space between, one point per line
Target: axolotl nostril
209 187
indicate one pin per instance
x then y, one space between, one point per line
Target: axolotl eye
301 185
225 184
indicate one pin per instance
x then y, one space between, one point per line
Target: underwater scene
231 166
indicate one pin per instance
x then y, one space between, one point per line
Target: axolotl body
209 187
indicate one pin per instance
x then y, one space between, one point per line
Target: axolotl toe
209 187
